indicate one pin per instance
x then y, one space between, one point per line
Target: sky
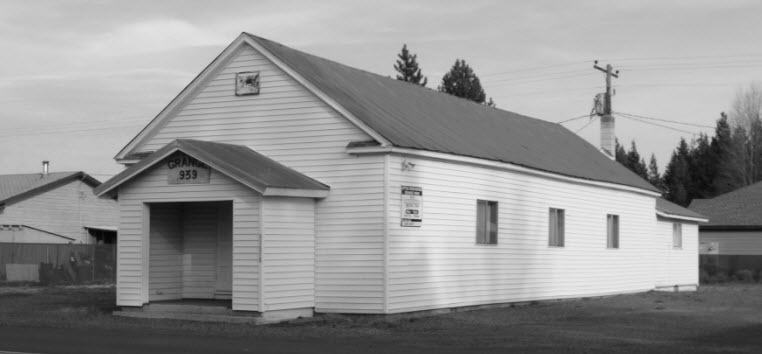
79 79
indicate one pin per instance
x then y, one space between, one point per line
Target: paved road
81 341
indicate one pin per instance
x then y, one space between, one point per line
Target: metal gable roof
19 186
411 116
674 210
236 161
739 208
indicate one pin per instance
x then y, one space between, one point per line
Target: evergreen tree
677 177
461 81
653 174
635 163
702 165
407 67
620 154
725 180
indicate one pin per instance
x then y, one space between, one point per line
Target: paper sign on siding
183 169
411 206
709 248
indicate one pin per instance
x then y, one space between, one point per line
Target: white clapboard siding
289 124
199 250
736 243
288 226
440 265
64 210
151 187
165 274
676 266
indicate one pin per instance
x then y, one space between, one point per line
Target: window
612 227
486 222
677 235
556 227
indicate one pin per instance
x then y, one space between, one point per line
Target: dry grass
716 318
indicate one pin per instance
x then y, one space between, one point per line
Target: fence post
92 261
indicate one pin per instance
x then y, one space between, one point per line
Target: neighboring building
732 239
292 184
55 207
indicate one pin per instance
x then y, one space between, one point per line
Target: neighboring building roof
237 162
411 116
668 209
740 209
35 228
21 186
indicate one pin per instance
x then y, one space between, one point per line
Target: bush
704 277
744 275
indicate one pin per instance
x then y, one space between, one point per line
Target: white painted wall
289 124
676 266
735 242
133 254
440 265
288 226
166 256
199 250
64 210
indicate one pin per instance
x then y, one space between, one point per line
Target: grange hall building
289 185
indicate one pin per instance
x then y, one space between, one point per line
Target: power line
575 118
658 125
585 126
663 120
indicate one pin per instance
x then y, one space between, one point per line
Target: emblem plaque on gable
247 83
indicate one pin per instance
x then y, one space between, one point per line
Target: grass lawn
717 318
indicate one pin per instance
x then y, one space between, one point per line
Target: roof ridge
395 81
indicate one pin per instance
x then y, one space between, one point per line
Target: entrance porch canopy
238 162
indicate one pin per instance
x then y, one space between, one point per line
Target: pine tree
725 179
461 81
676 176
635 163
653 174
407 67
702 168
620 154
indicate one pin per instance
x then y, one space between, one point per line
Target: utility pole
607 120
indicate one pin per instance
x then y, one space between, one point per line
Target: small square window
677 235
556 227
486 222
612 227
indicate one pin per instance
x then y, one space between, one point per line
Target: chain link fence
57 263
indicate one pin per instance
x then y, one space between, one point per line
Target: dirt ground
718 318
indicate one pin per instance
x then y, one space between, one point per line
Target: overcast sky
79 79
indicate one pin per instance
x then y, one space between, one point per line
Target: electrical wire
663 120
575 118
658 125
586 125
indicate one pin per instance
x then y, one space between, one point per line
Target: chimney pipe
45 165
607 135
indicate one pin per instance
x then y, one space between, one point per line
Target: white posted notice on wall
411 206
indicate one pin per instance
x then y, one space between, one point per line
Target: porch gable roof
238 162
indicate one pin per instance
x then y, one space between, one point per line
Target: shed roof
20 186
741 208
237 162
669 209
410 116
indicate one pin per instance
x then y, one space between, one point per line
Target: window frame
612 231
677 235
556 227
487 234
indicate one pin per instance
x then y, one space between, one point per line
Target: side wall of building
441 265
734 242
64 210
292 126
288 228
676 265
151 186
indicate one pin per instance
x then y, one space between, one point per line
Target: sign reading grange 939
183 169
